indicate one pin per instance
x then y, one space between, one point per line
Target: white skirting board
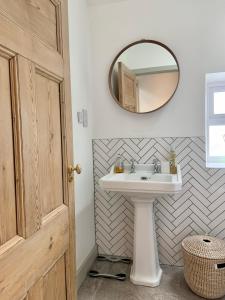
86 265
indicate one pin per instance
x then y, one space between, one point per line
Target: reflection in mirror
144 76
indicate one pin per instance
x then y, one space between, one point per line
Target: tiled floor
172 287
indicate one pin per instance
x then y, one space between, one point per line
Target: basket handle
220 266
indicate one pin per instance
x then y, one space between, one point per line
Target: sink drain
144 178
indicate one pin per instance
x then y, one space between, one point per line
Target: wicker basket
204 265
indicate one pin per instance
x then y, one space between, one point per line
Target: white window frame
215 82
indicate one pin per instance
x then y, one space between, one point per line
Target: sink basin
143 187
143 182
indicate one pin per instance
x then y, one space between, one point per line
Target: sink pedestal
146 269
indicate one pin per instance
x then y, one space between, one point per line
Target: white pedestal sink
146 269
143 187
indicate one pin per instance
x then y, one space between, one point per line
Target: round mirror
144 76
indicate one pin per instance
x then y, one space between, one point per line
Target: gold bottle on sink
119 165
173 162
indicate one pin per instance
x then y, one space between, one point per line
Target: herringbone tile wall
199 208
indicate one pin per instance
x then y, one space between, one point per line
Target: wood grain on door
37 241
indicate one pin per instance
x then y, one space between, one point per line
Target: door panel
43 20
39 16
22 41
52 286
29 204
36 292
25 263
40 105
49 143
8 227
55 282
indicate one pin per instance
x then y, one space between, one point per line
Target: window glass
219 103
215 120
217 140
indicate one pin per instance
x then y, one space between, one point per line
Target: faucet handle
157 165
132 167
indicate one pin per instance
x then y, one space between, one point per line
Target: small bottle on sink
173 162
119 165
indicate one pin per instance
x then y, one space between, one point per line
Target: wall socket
82 117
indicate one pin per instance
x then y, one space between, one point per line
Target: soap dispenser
119 165
173 163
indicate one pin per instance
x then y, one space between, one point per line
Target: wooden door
36 199
128 88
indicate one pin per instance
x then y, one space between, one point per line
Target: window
215 120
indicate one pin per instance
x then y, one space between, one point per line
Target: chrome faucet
132 167
157 166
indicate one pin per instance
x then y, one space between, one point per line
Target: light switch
82 117
85 118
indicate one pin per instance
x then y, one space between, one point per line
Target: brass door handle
71 170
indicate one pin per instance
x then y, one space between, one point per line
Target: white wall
81 97
194 30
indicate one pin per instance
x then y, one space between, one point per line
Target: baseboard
85 267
